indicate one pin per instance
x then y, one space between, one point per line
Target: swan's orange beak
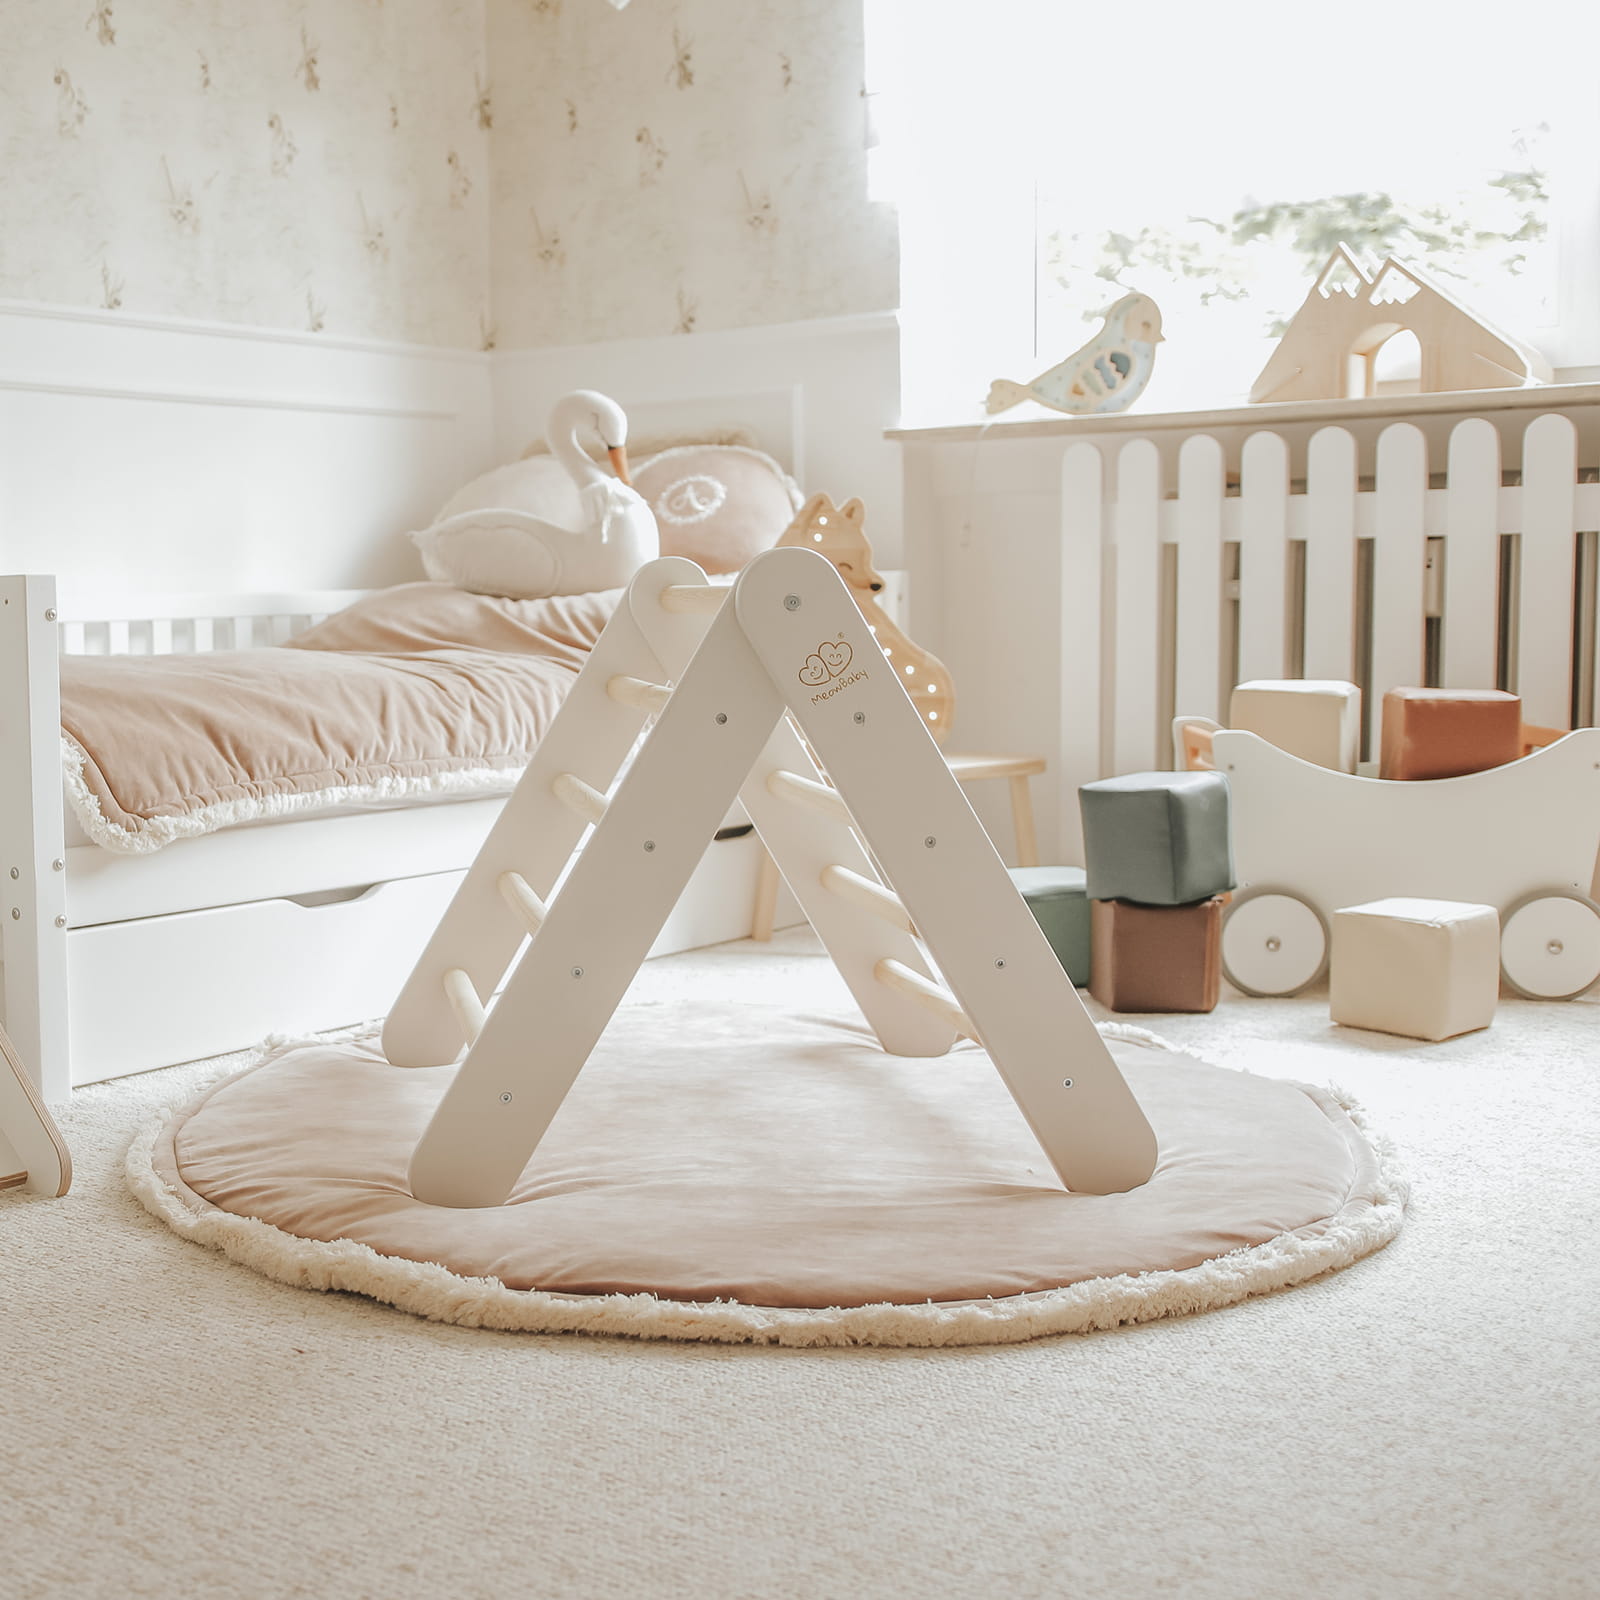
619 462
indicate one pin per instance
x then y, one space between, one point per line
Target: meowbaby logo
826 665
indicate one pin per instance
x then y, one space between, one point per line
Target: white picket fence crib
1448 573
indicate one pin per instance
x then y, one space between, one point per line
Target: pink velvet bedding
418 692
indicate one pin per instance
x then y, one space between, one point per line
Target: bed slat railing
40 621
1445 571
99 624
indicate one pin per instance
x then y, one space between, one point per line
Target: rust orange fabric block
1446 733
1156 958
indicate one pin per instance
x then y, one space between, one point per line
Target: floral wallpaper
466 173
320 165
681 166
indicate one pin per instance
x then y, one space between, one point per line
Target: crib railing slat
1083 716
1263 558
1399 626
1198 647
1471 621
1545 572
1330 502
1138 743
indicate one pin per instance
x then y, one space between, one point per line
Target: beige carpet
1422 1424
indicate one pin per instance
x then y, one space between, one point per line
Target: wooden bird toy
1107 374
836 532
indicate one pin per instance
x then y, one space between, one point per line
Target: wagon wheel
1273 943
1550 945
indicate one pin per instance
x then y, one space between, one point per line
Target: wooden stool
966 769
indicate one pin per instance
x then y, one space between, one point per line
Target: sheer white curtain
1046 154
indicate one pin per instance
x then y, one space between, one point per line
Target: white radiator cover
1085 590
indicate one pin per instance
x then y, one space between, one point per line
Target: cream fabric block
1317 719
1428 969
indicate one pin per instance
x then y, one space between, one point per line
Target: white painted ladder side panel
1545 572
804 843
1472 557
535 836
1198 649
1399 557
1263 559
1138 741
1083 717
1330 508
30 1142
618 894
937 858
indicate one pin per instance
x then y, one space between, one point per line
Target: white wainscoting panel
817 396
175 455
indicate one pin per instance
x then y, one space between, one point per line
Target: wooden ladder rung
515 892
704 598
465 1003
578 796
809 793
638 693
896 975
870 896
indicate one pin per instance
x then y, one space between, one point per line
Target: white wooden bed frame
121 963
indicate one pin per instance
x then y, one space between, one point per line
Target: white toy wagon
1523 838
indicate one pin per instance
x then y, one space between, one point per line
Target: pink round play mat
744 1174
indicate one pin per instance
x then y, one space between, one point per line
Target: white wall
683 165
315 166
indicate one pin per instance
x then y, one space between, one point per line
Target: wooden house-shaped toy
1329 349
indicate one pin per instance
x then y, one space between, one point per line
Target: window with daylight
1048 157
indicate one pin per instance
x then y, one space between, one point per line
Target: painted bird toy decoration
1107 374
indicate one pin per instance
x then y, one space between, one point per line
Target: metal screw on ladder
791 602
50 615
58 866
61 922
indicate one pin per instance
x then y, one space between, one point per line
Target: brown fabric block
1156 958
1446 733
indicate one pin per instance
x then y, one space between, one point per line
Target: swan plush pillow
551 525
719 505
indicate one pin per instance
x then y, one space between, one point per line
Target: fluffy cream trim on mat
431 1291
150 834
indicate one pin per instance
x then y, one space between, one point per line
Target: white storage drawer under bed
156 990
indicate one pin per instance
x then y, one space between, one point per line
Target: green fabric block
1060 905
1158 838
